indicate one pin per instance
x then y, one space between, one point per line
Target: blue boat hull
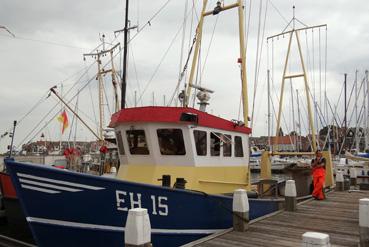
65 208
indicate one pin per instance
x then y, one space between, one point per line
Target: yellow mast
306 84
196 53
216 11
245 100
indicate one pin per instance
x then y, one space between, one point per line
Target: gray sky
51 37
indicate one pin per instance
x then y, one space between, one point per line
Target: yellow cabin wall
212 180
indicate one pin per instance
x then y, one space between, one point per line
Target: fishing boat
181 164
167 144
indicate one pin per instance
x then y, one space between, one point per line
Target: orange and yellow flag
63 118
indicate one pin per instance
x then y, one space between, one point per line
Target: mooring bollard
138 228
315 239
240 210
339 181
290 195
353 176
364 222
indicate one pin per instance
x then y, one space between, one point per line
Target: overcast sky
52 36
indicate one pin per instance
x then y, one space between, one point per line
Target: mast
124 76
219 8
299 118
293 115
101 72
345 130
367 113
357 147
269 115
285 76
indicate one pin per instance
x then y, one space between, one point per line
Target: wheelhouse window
118 134
200 142
238 150
171 142
137 142
227 145
214 144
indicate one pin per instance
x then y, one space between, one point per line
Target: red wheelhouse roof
157 114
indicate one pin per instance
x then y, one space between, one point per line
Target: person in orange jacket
318 170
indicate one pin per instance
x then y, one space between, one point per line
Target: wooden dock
337 216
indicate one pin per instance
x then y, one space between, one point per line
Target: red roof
172 115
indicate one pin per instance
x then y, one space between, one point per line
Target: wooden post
339 181
364 222
240 210
138 228
315 239
265 171
353 177
329 180
290 195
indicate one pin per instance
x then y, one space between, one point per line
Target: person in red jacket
318 170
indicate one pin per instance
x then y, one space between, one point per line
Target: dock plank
337 216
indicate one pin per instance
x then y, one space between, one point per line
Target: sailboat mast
356 116
299 118
124 76
345 130
269 116
367 114
293 116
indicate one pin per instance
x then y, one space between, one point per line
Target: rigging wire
45 42
248 25
135 70
182 46
258 64
149 22
208 50
160 62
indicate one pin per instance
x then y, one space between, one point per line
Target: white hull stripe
117 228
39 189
52 186
23 175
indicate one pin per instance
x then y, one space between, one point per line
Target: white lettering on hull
126 199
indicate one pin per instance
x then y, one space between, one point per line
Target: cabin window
201 142
137 142
238 150
171 142
120 142
214 144
227 145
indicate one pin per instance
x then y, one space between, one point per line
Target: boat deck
337 216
